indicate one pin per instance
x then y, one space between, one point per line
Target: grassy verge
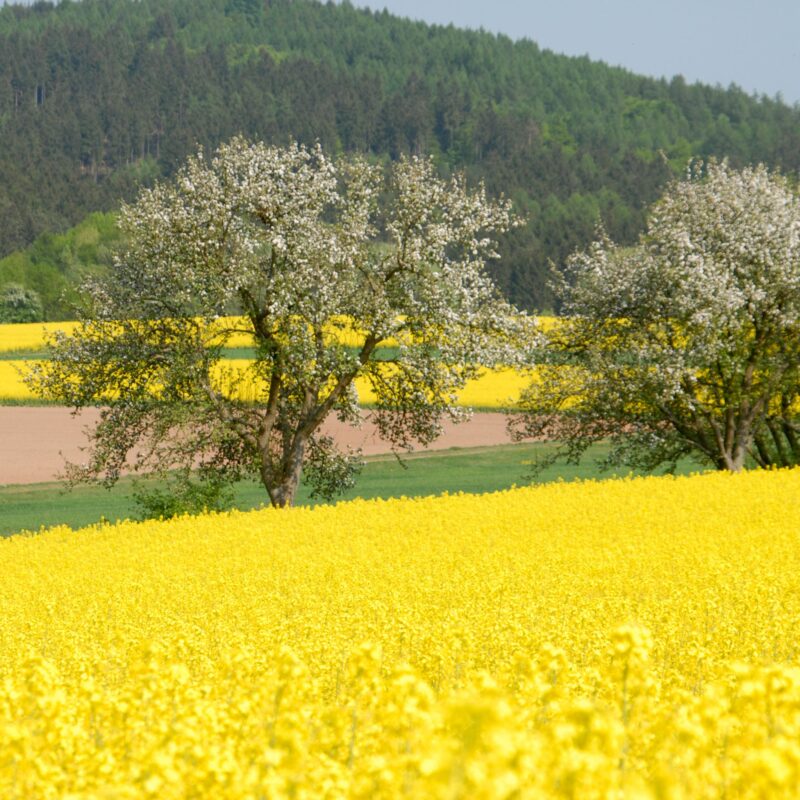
22 355
482 469
27 402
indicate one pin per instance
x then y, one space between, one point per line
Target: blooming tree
19 304
688 343
295 250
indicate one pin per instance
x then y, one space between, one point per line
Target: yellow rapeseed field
29 335
634 638
498 388
494 389
11 385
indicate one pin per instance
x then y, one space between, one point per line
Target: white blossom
690 339
293 241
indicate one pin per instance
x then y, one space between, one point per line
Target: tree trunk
737 458
735 443
733 458
282 491
791 438
761 454
783 457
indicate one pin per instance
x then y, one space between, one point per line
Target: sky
752 43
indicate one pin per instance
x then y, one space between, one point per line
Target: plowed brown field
36 441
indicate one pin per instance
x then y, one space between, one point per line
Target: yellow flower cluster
633 638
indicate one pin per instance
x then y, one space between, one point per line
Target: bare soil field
36 441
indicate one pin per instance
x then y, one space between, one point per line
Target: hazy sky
753 43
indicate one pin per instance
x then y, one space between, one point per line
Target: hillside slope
100 96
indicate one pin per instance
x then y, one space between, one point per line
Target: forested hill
99 96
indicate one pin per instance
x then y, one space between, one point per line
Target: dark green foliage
18 304
101 96
329 473
182 493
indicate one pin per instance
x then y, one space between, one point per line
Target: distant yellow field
31 336
11 385
495 389
618 639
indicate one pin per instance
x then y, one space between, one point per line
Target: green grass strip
474 470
